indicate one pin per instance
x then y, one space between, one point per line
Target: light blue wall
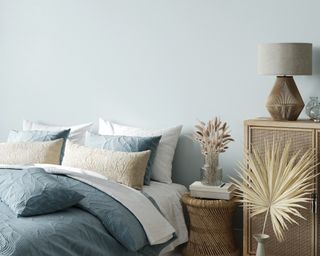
147 63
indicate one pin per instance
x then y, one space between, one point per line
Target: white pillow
77 132
162 165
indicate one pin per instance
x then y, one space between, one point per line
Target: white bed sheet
168 198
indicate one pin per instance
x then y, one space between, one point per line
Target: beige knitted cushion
47 152
123 167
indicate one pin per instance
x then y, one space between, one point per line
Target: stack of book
224 192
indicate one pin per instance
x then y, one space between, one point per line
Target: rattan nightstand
210 229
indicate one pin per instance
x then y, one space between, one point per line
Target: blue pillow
126 144
32 191
35 135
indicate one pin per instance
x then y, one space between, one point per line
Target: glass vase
211 172
313 102
315 113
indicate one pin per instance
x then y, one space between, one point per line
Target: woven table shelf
210 231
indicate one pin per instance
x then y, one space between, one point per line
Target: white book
225 191
224 187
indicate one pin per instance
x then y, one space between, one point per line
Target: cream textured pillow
47 152
162 165
127 168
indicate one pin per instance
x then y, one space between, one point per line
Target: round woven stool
210 230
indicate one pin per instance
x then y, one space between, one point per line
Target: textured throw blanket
111 220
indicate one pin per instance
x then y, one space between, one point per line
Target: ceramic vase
261 239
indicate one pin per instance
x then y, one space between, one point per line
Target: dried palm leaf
276 184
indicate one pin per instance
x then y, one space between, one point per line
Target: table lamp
285 60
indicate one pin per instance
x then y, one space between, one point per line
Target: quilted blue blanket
97 225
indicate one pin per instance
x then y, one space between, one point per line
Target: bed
65 191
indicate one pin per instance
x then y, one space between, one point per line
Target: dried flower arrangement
276 184
213 138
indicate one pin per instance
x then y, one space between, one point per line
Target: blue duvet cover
97 225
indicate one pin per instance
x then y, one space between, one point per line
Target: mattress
168 198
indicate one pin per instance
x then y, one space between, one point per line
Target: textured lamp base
284 101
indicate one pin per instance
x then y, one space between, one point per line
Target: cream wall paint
147 63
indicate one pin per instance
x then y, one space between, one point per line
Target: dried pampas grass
213 136
276 184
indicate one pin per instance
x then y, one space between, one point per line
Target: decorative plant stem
265 221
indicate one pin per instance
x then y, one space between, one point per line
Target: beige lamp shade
285 59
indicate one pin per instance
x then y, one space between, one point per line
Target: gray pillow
32 191
126 144
35 135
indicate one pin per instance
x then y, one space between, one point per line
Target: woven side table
210 231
